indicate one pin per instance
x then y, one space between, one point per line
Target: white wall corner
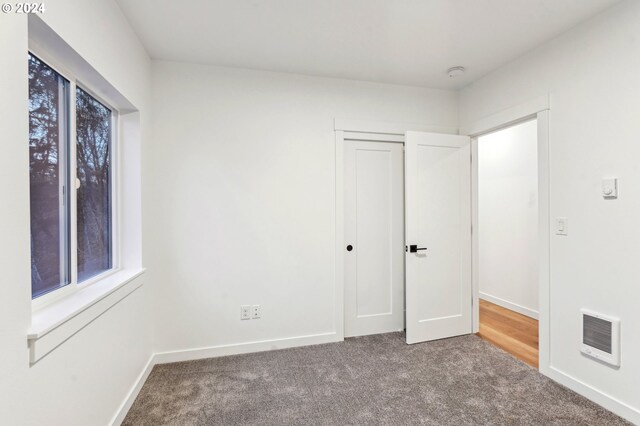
133 393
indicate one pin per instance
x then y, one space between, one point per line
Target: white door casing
438 218
374 228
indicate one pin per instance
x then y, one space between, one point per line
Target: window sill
54 323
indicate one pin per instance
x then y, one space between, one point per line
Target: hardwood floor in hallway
512 332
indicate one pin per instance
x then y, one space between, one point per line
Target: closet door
374 237
438 235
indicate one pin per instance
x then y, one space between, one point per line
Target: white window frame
116 264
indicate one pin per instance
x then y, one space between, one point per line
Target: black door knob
413 248
349 247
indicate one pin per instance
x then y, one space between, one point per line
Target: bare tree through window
93 153
47 138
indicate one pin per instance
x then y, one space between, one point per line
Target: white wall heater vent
600 337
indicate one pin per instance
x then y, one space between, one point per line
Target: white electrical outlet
255 311
245 312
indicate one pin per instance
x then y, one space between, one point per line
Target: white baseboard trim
243 348
133 393
610 403
511 306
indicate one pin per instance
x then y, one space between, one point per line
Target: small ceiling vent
601 337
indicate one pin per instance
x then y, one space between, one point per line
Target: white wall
508 218
84 381
593 75
243 165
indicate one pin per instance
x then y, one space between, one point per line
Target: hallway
512 332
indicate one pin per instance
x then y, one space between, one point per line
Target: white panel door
438 225
374 237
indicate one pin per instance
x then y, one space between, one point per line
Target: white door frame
535 109
362 130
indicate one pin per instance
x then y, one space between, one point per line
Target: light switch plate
610 188
562 225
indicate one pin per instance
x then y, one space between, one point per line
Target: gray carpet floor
373 380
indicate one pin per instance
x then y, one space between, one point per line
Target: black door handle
413 248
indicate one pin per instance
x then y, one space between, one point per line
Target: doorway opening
403 234
508 239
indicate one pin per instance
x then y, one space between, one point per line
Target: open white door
438 236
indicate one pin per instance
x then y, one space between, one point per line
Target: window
48 140
93 154
71 224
